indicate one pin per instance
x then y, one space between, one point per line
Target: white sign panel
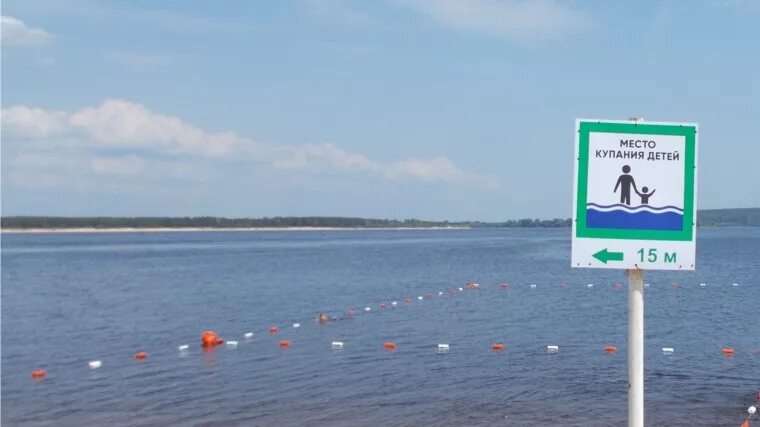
634 202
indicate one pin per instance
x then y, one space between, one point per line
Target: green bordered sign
635 199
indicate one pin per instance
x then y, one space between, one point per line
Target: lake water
71 298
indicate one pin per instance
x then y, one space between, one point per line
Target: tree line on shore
718 217
24 222
729 217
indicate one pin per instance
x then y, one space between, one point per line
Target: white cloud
124 165
16 32
122 138
118 123
512 19
123 123
43 168
435 169
323 156
34 122
81 170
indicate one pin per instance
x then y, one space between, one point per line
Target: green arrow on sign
605 256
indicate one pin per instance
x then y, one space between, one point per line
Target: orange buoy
497 346
561 286
618 285
273 329
389 345
408 300
728 351
745 424
351 312
210 339
284 343
382 306
610 349
675 285
451 292
141 355
38 374
504 286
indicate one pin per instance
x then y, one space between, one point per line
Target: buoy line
210 339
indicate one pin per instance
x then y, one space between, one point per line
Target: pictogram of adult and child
625 182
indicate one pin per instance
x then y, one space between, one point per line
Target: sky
441 110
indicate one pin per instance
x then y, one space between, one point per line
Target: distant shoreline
209 229
138 224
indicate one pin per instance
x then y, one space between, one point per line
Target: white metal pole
635 348
636 342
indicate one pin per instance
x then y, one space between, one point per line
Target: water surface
70 298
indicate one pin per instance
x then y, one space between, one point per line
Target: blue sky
390 108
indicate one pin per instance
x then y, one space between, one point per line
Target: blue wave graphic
642 220
630 209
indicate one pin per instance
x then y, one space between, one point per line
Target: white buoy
552 348
751 410
394 303
419 298
476 285
702 285
296 325
367 309
183 347
667 350
440 293
735 284
248 335
646 285
231 343
337 344
443 346
533 286
461 289
95 364
590 285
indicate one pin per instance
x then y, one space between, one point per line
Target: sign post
635 348
634 208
